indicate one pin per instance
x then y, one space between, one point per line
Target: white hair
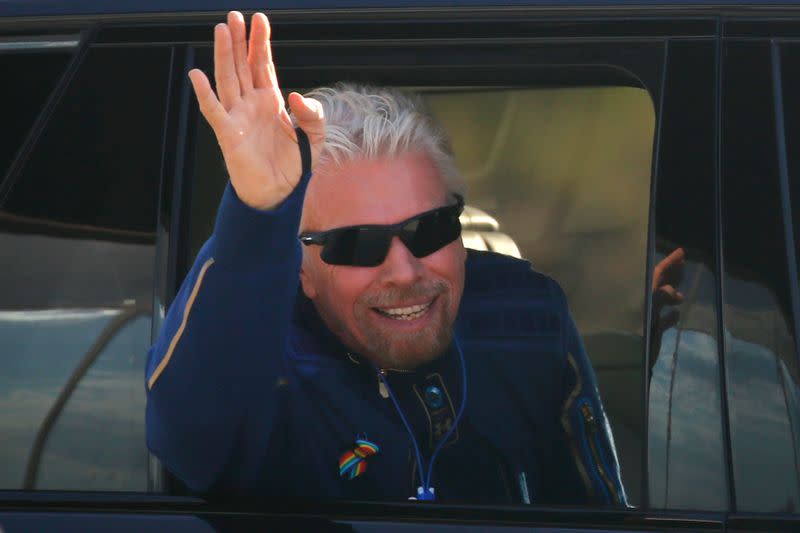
369 122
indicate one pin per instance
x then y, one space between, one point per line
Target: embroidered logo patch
435 399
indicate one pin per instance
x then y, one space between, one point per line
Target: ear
306 280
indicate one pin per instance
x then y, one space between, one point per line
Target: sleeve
214 373
586 429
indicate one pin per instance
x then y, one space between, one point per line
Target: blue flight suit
248 391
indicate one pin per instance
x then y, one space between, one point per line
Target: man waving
334 339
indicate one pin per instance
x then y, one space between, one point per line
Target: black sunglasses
368 245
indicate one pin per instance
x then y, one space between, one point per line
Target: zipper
381 375
590 425
572 440
398 370
382 389
357 362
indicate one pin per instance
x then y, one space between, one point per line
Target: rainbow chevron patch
353 463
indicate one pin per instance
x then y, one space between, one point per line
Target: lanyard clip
423 494
382 389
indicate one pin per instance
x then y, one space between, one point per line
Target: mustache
394 296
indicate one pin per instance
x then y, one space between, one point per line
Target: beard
397 349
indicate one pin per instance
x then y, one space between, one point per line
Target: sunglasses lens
367 246
357 247
431 232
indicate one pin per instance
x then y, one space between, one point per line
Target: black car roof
29 8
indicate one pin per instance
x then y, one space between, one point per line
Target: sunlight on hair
373 122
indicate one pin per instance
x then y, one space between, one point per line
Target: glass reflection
110 396
62 298
685 448
762 401
686 452
77 249
760 347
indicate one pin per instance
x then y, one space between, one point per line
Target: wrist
264 198
246 235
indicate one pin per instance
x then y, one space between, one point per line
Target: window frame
372 65
171 240
23 153
80 48
773 32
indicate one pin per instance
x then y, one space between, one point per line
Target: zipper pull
591 425
588 416
382 390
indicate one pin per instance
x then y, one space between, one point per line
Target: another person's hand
667 276
249 117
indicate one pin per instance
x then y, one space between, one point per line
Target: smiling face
399 314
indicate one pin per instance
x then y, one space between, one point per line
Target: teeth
406 310
406 313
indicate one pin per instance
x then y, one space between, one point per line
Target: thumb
309 116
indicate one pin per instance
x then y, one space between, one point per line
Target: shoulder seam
174 342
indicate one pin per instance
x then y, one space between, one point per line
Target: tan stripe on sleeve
165 361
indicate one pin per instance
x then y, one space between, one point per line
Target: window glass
36 73
558 176
686 453
98 188
77 236
565 172
761 351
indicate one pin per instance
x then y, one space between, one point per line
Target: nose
400 266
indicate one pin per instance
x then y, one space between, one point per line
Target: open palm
248 114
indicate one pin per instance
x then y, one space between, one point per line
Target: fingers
669 266
260 60
259 55
228 87
238 32
272 77
309 115
210 107
667 294
676 258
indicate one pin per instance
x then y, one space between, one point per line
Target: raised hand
667 275
248 114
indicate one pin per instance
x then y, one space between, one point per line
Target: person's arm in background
212 375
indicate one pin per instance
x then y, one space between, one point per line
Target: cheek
345 285
449 263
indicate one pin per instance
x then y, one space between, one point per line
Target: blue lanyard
426 492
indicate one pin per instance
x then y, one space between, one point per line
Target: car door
562 98
81 170
607 197
759 280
